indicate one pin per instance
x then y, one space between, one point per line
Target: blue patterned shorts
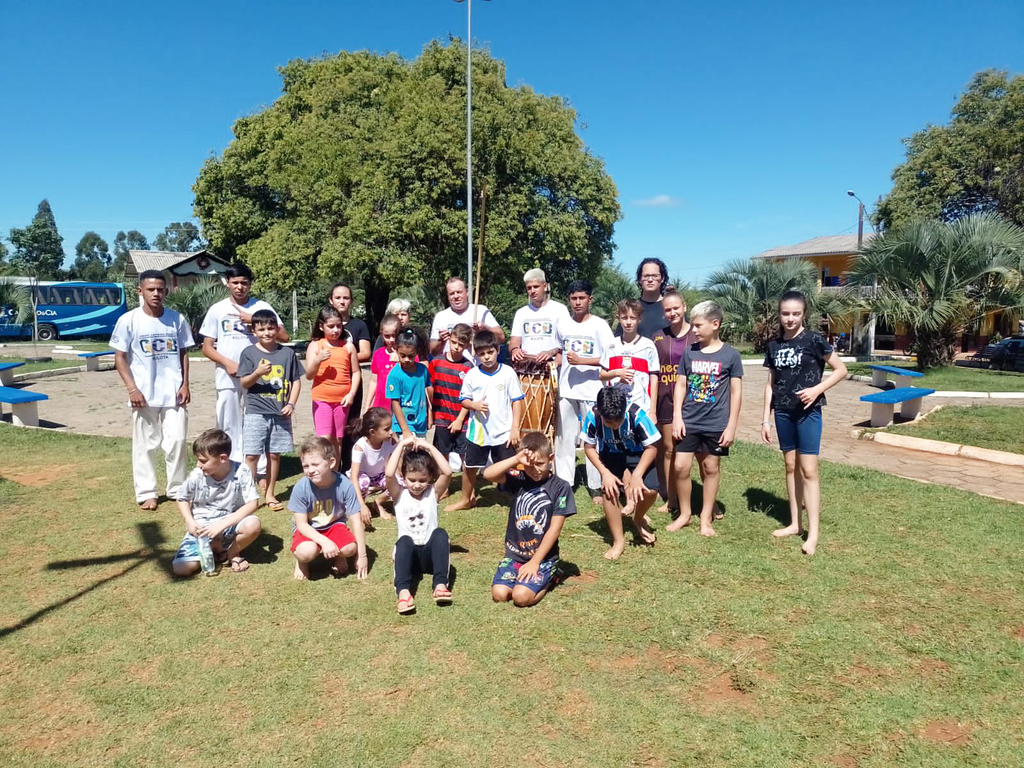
508 573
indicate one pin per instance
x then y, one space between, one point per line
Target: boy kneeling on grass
218 500
621 440
321 503
535 518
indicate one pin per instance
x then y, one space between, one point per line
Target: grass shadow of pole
768 504
152 539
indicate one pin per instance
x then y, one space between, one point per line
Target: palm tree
15 303
193 300
749 290
611 286
937 278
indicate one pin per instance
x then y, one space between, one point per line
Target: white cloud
659 201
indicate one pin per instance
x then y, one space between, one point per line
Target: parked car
1004 355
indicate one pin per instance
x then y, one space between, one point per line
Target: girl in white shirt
369 459
421 544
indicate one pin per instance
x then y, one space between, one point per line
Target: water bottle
206 556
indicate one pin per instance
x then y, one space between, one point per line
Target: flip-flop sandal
239 565
442 596
277 506
406 605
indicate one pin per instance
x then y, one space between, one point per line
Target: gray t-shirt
270 393
324 506
212 499
708 387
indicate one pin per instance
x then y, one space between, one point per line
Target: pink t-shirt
380 366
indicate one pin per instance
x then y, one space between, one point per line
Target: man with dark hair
652 278
226 331
150 344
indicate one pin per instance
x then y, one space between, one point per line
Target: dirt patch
844 761
932 667
1019 632
585 577
863 674
714 640
579 710
946 730
37 478
624 663
914 630
721 690
96 482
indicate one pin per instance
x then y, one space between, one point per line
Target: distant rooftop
161 260
817 246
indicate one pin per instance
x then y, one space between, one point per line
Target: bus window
90 298
113 296
69 296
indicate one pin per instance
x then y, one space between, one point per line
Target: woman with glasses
652 277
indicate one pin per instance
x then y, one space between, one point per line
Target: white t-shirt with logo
536 327
231 335
153 345
587 339
448 318
641 356
416 518
499 390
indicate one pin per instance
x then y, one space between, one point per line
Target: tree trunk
935 349
377 295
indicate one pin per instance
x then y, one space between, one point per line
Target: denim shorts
508 573
188 552
266 433
799 431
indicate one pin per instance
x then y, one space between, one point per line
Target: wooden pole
480 249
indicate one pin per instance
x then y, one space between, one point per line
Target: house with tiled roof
179 268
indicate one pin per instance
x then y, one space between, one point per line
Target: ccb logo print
158 345
537 328
583 347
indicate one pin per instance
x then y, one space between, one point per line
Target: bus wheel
46 332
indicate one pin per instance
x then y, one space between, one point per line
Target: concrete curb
946 449
49 373
953 393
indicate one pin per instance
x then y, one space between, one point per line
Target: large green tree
937 278
132 240
92 258
180 236
38 248
358 171
974 164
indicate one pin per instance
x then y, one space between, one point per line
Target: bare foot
274 503
148 505
384 514
707 530
444 495
717 513
663 508
301 571
627 511
646 534
809 547
789 530
615 552
339 566
679 523
462 503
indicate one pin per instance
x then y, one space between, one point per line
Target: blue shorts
188 552
266 433
799 431
508 572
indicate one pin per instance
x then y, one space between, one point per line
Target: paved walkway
95 403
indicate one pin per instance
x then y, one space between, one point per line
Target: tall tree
358 171
38 248
937 278
5 265
92 258
133 240
180 236
973 164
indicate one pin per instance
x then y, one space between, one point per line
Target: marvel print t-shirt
532 510
796 364
708 387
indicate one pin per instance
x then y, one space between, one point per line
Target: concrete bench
904 376
883 404
92 359
23 405
7 373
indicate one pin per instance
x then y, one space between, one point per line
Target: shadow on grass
768 504
265 549
320 569
150 551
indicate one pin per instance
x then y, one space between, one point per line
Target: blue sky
729 128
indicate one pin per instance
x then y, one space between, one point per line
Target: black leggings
432 557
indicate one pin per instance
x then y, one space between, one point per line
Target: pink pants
329 419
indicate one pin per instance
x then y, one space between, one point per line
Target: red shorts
338 533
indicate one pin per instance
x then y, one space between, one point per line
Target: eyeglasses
650 277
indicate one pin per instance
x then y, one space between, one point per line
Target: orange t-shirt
333 378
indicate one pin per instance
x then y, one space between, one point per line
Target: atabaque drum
539 381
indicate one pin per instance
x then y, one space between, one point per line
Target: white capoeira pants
570 424
230 418
153 429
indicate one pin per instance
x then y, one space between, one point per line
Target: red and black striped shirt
446 378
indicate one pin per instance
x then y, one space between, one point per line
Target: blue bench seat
7 373
92 359
903 375
25 412
883 404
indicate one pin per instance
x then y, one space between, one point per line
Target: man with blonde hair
533 328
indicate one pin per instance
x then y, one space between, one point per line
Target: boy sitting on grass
535 518
321 503
218 500
621 440
706 408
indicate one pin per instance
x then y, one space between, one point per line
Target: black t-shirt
652 321
796 364
357 330
535 505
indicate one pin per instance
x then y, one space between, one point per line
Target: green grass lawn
999 427
901 643
955 378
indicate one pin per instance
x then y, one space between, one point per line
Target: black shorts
477 455
447 443
618 463
702 442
